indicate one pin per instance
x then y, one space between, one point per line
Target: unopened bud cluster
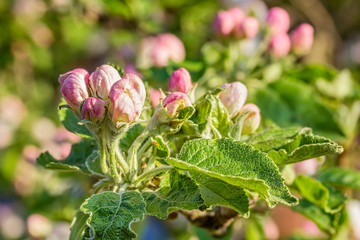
92 95
234 97
234 22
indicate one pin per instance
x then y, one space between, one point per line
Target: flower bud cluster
300 40
90 96
235 22
160 49
234 97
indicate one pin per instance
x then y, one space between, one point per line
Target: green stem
121 160
103 162
151 162
143 149
132 157
152 173
113 166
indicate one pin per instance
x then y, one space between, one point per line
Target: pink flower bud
82 73
175 101
278 20
250 27
233 97
102 79
223 23
174 46
127 98
93 109
74 90
180 81
307 167
155 97
237 16
280 45
252 120
302 38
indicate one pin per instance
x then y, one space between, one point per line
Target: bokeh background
41 39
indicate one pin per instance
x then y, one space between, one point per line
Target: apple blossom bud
74 90
175 101
237 16
93 109
82 73
138 84
302 38
102 79
278 20
250 27
173 45
155 97
252 120
280 45
223 23
180 81
233 97
127 98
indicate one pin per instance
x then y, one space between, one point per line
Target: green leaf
328 199
323 220
182 193
130 135
75 161
304 146
78 225
70 122
341 177
273 138
93 163
112 213
216 192
236 163
212 116
162 149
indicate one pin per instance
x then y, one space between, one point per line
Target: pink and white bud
302 38
278 20
307 167
155 97
74 91
175 101
237 16
233 97
127 98
93 109
224 23
250 27
102 79
82 73
174 46
252 120
180 81
280 45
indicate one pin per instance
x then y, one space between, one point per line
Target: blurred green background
41 39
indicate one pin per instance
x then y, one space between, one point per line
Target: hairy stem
152 173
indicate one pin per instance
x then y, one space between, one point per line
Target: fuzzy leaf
216 192
93 163
304 146
70 122
328 199
236 163
112 213
78 226
75 161
182 193
212 116
323 220
341 177
162 149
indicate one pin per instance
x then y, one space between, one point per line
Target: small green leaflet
341 177
212 116
78 225
70 122
162 149
304 146
93 163
328 199
236 163
216 192
112 213
182 193
130 135
323 220
75 161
